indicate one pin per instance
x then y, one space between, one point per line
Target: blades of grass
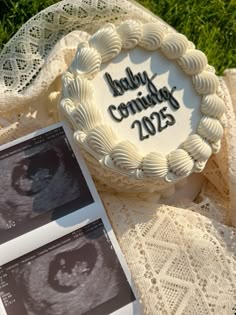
211 24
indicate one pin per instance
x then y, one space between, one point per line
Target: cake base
170 193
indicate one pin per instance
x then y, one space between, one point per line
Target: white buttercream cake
143 104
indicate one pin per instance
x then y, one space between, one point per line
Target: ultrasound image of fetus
67 273
32 174
71 280
41 178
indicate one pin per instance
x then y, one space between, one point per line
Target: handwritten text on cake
154 97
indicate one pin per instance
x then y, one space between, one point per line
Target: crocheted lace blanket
182 257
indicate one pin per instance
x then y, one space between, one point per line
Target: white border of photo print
13 250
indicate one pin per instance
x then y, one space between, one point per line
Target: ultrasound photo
40 181
78 274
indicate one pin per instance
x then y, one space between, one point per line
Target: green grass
14 13
211 24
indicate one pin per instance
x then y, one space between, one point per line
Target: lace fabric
229 92
170 258
182 261
24 73
182 257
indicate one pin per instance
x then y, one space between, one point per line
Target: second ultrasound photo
78 274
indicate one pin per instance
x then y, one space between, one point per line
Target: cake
143 104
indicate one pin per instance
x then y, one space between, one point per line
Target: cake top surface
143 78
143 101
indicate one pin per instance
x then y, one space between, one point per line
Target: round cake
143 104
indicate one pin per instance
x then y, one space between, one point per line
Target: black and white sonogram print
41 180
77 274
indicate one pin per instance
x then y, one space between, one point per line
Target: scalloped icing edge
192 62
